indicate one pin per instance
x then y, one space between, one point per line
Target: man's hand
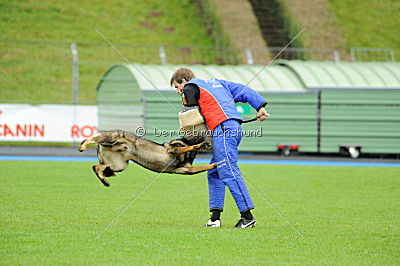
262 114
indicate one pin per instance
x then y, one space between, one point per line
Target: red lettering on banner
74 131
87 131
7 131
20 130
38 130
83 132
24 130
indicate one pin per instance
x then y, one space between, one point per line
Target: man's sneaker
243 223
216 223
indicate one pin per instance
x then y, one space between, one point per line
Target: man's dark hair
182 73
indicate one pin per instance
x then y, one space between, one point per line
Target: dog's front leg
99 171
181 150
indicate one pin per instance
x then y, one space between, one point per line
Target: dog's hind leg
101 172
194 170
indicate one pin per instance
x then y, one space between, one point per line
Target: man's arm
244 94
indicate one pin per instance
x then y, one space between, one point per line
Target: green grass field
369 23
40 72
52 211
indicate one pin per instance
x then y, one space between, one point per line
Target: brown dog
115 148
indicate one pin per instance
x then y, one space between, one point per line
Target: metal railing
372 54
291 53
63 73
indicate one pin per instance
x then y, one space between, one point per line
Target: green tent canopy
360 102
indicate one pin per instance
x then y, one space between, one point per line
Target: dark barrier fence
321 121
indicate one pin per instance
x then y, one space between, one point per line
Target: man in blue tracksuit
216 99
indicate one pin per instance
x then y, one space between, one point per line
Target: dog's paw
102 179
205 146
82 147
105 182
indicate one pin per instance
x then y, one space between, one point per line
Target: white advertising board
48 123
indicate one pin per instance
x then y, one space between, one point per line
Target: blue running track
201 160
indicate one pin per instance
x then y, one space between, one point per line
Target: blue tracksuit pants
226 139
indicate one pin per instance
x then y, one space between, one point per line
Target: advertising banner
47 123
